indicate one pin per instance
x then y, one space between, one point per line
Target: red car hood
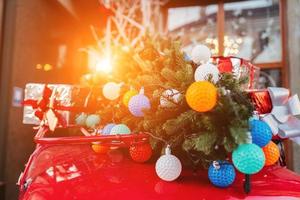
77 172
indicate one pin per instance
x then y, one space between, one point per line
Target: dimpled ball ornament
271 152
248 158
201 96
200 54
204 71
98 148
221 173
80 119
168 167
127 96
140 152
138 103
107 129
170 98
120 129
261 132
111 90
92 121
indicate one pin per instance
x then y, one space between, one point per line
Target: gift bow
45 109
282 120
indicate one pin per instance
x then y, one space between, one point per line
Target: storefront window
252 30
195 24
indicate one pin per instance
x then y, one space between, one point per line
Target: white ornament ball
200 54
111 90
170 98
168 167
203 71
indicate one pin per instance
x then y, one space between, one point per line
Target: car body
73 170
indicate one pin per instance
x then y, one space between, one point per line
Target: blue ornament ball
222 176
107 129
137 104
120 129
248 158
261 132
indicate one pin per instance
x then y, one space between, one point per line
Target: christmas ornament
200 54
80 119
98 148
221 173
204 71
111 90
92 121
248 158
168 167
127 96
138 103
261 132
107 129
201 96
120 129
271 152
140 153
170 98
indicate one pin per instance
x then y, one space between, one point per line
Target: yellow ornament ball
127 96
201 96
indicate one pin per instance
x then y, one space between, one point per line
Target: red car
68 168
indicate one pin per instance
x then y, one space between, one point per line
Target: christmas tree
157 65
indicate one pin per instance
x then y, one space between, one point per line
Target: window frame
282 65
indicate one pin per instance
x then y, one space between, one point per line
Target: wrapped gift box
70 100
34 93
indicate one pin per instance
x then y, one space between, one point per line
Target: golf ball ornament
111 90
272 153
221 173
92 121
140 152
137 104
248 158
168 167
120 129
80 119
200 54
261 132
201 96
107 129
203 72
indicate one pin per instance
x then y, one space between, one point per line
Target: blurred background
42 40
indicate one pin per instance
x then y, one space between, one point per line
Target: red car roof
76 172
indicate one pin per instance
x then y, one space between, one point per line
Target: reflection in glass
252 30
269 78
196 24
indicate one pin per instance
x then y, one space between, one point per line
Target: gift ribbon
282 120
46 109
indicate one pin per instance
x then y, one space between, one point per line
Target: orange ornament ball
98 148
140 153
271 153
201 96
127 96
